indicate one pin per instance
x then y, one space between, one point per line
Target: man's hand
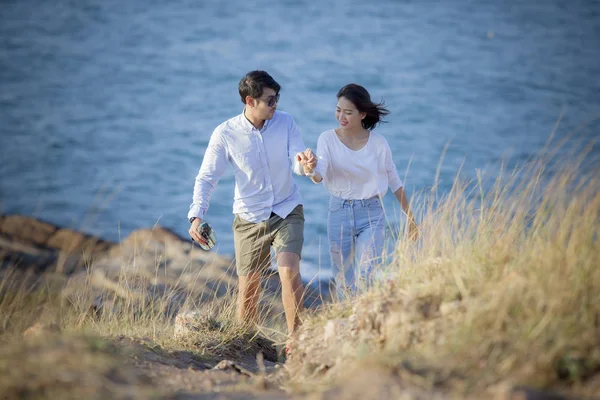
308 159
194 232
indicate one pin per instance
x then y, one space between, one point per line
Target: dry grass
126 304
501 290
92 312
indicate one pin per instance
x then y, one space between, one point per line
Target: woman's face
348 115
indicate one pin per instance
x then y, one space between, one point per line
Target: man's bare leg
292 290
248 295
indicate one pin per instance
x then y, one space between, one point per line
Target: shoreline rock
30 243
157 263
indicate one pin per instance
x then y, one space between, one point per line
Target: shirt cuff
195 212
297 167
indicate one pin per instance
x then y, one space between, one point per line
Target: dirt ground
180 375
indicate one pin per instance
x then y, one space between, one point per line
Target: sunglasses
272 100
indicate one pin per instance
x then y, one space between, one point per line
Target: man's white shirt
262 161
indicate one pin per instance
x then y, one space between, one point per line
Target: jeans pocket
375 204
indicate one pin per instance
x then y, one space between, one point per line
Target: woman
355 164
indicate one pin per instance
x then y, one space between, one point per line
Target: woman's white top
360 174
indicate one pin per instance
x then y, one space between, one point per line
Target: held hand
311 159
193 231
308 160
309 167
308 153
301 158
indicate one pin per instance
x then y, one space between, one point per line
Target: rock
71 241
66 240
157 240
161 245
35 245
25 256
27 229
10 245
227 365
190 322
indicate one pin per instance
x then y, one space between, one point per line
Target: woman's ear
363 115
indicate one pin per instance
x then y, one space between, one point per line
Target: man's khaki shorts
253 241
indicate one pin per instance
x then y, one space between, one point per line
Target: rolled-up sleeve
295 145
394 181
213 166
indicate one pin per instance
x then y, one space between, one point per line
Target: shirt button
350 201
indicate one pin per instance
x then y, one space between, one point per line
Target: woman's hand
308 159
413 229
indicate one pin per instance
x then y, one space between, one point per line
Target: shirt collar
247 125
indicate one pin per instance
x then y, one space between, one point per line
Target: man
264 147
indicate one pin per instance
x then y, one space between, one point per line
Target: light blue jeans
355 230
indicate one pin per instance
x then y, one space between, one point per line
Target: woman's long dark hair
359 96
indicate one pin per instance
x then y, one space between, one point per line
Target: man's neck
257 122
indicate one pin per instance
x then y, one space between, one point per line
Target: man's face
266 104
